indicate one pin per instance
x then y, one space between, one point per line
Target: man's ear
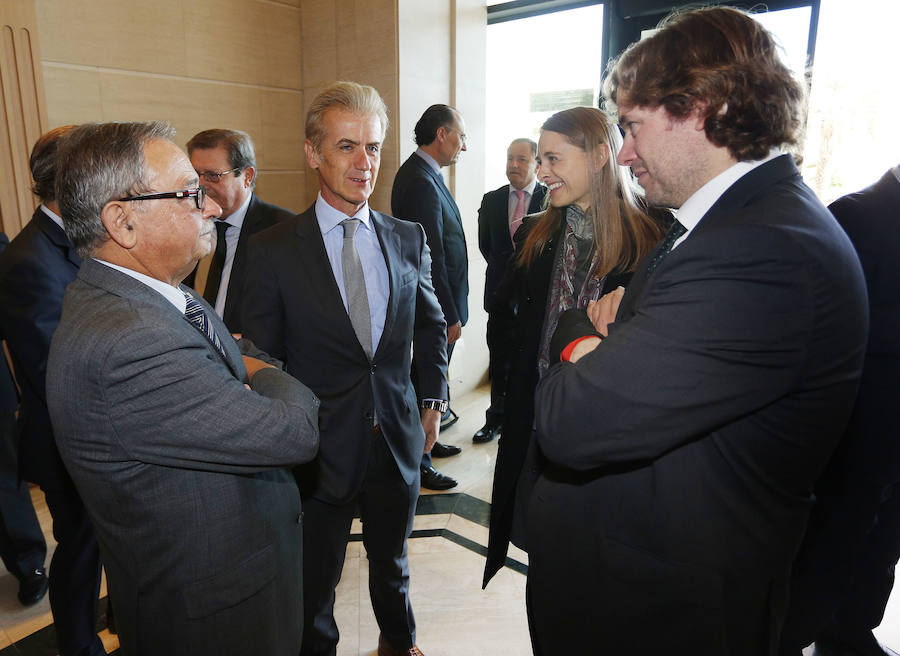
312 157
249 174
119 224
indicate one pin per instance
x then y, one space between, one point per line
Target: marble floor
454 615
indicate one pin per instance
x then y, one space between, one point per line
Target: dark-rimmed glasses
198 194
209 176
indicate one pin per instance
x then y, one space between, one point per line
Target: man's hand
603 312
253 365
454 332
431 424
583 347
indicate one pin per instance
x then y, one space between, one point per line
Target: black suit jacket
296 314
684 449
419 194
35 270
494 241
9 399
260 215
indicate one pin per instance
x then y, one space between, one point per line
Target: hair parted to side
525 140
723 63
98 163
358 99
623 231
436 116
43 163
236 143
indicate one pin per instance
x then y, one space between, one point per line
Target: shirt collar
431 161
53 216
329 218
172 294
237 217
696 207
528 189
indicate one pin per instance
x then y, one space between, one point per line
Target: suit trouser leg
498 343
22 545
326 529
74 575
387 508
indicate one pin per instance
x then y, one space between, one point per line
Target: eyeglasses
198 194
462 135
209 176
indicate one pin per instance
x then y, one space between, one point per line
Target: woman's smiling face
563 168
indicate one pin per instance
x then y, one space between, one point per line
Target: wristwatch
433 404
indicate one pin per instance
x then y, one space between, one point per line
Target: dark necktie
675 231
211 291
355 287
195 313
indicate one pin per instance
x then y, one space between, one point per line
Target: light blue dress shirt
375 270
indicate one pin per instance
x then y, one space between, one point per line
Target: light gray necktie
355 287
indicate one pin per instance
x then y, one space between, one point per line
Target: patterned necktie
214 278
518 213
675 231
197 316
355 287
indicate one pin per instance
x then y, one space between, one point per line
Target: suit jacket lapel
390 249
439 181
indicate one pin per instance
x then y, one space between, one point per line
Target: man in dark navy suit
34 273
226 164
420 194
22 545
499 216
844 572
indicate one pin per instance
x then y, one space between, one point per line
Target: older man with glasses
226 164
176 437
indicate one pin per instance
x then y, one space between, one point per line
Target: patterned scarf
578 240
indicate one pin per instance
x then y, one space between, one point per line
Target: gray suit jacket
181 469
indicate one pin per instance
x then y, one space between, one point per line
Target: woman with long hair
583 245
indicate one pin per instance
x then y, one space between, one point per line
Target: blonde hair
359 99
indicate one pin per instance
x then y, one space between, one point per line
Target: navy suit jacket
35 270
419 194
296 315
260 215
684 448
494 240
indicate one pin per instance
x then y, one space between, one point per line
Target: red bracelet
567 352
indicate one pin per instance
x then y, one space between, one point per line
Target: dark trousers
426 457
500 329
387 506
22 545
74 575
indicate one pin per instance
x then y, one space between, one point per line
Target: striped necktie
355 287
197 316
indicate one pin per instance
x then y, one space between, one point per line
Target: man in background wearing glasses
176 438
226 164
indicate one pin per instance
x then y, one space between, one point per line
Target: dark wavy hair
43 163
723 63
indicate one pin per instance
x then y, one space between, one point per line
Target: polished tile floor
455 616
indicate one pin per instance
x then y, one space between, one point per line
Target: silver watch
431 404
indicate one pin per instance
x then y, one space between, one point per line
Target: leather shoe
432 479
448 419
33 587
384 649
444 450
486 433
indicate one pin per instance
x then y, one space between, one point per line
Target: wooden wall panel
24 116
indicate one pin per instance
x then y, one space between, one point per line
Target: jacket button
372 369
300 518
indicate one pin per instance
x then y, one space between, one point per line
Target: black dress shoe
486 433
448 419
444 450
33 587
432 479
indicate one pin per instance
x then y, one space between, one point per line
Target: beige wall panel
284 188
138 36
240 41
318 42
290 3
73 95
281 143
366 45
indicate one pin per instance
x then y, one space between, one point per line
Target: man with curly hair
682 448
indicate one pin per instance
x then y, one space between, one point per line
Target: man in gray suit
177 444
